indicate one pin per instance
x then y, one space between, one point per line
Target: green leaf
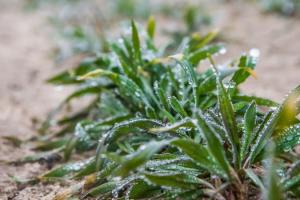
172 80
140 189
160 92
50 145
148 91
151 27
125 127
196 151
102 189
185 123
258 100
183 181
192 78
167 115
190 72
81 140
113 120
121 130
288 138
72 76
291 183
136 41
129 48
249 125
264 134
125 60
204 53
198 42
228 117
207 85
69 148
175 104
133 161
127 87
100 175
67 169
214 145
246 62
87 170
84 91
150 112
289 108
274 122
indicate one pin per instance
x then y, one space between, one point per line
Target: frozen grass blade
204 53
288 138
258 100
126 127
228 117
138 158
185 123
275 121
214 145
66 169
249 125
136 42
197 152
174 180
176 105
192 79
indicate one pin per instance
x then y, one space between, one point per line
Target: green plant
88 32
286 7
33 4
162 130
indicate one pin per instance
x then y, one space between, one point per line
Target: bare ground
25 62
245 27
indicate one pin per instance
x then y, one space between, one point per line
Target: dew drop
254 52
137 94
223 51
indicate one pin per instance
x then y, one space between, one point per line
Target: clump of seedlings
285 7
159 129
98 22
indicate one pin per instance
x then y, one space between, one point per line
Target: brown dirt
25 62
245 27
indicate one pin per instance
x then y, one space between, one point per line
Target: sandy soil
245 27
25 62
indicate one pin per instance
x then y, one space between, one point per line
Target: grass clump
285 7
88 32
162 130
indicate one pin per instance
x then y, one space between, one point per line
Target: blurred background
39 38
